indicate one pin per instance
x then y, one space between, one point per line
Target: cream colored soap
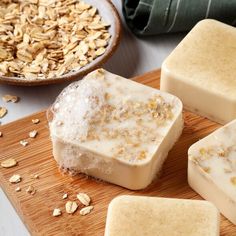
114 129
201 71
212 169
152 216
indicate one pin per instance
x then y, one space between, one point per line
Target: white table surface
134 56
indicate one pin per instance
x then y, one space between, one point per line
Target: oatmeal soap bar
114 129
201 71
152 216
212 169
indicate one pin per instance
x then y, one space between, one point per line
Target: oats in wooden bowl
50 41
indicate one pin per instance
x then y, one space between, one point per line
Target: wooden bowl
109 13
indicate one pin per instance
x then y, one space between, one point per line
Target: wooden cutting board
36 158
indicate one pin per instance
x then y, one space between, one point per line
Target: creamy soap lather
114 129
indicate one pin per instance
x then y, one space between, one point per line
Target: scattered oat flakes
31 190
142 155
59 123
36 176
233 180
65 196
56 212
84 198
35 121
24 143
9 163
33 134
227 170
3 112
100 51
86 210
71 207
18 189
10 98
46 39
15 179
207 169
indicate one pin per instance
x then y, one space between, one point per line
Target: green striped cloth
151 17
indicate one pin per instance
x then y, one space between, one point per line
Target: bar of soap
114 129
201 71
212 169
152 216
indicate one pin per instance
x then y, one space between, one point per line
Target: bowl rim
84 70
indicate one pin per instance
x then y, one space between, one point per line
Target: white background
134 56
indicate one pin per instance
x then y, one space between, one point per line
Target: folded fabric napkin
151 17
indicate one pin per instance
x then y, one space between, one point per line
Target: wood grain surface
36 158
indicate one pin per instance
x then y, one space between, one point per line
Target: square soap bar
212 169
114 129
201 71
133 215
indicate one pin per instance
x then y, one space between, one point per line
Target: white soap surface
105 120
201 71
152 216
212 169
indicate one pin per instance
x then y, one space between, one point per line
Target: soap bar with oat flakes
212 169
114 129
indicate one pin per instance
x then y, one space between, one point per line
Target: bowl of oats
52 41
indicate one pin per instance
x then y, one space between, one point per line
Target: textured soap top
206 57
216 156
114 116
132 215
